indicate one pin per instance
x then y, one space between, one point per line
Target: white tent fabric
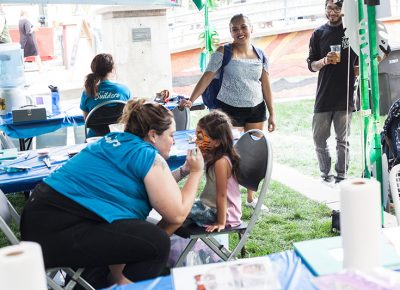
99 2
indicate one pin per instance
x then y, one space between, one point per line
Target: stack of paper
244 274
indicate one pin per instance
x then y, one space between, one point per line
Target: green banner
209 38
199 4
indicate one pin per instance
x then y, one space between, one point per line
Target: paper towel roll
360 223
22 267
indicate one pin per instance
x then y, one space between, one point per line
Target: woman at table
92 211
98 85
245 92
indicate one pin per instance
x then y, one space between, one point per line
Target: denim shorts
202 214
243 115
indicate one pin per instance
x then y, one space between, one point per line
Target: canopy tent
99 2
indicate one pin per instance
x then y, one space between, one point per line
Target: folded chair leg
53 285
84 284
217 248
185 252
76 278
243 250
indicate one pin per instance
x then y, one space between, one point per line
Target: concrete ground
313 189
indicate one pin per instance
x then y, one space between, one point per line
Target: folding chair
182 118
5 141
103 115
394 181
9 214
255 165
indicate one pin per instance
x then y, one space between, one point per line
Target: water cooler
12 80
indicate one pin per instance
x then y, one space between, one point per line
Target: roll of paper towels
22 267
360 223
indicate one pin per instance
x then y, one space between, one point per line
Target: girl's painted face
203 141
241 30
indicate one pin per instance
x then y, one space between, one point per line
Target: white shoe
253 204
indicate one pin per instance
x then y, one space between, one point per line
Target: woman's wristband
324 61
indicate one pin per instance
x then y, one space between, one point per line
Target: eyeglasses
334 9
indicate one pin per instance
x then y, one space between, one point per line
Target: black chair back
253 159
103 115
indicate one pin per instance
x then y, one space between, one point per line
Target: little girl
219 205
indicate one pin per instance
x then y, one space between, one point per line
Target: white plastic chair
394 181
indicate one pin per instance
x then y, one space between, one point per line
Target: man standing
334 101
4 33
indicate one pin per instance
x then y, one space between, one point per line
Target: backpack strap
260 54
225 59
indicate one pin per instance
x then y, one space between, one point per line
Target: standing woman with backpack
245 92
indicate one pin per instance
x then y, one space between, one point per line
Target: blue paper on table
325 256
8 154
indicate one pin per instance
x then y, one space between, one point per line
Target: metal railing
267 16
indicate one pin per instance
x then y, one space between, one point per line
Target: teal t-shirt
107 91
107 177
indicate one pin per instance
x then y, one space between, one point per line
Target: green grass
292 218
18 201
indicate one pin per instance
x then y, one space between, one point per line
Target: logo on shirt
106 95
345 42
112 141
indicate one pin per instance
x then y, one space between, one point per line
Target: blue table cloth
197 105
70 117
27 180
35 128
293 274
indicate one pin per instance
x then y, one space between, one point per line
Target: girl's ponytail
91 84
102 64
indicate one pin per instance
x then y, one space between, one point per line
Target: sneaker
327 179
339 179
253 204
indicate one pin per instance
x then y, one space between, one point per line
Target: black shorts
241 116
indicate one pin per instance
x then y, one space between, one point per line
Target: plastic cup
336 49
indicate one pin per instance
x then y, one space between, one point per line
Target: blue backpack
211 92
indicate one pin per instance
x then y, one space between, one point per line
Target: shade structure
100 2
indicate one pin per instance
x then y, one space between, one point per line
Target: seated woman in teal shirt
98 86
92 211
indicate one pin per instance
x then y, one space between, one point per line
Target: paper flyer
244 274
